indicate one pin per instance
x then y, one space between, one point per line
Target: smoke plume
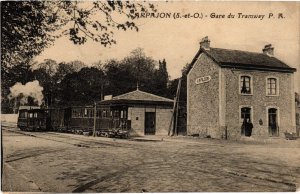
32 89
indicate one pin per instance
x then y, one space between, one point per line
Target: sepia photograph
150 96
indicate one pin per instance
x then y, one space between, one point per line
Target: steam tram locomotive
33 119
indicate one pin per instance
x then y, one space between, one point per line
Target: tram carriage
76 119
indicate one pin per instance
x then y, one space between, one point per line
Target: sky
177 40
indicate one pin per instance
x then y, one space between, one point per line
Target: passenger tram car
75 119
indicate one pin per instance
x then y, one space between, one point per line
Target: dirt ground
53 162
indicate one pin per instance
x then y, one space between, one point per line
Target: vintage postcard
150 96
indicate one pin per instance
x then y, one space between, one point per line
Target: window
98 113
104 113
78 113
89 113
245 85
272 86
116 113
22 114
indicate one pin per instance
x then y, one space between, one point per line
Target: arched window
245 84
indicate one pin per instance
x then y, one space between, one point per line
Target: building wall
297 113
259 102
298 120
163 119
137 116
203 99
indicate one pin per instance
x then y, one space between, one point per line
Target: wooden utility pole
177 107
172 118
175 110
95 109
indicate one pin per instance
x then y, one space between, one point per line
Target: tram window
98 113
90 113
85 112
104 113
116 113
22 115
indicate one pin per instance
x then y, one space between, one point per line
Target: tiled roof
140 95
244 60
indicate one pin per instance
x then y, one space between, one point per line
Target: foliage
67 68
135 70
83 87
75 84
27 27
25 31
162 79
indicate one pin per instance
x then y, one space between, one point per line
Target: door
150 123
245 120
273 124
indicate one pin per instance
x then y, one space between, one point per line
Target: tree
19 73
82 87
136 69
119 77
162 78
49 66
27 27
67 68
46 81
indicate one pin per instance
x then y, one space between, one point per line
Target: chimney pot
205 43
268 50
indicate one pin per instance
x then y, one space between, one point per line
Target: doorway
273 122
150 123
246 128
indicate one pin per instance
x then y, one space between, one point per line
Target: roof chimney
268 50
205 43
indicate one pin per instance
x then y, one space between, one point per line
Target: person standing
248 128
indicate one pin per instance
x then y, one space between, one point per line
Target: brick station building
226 88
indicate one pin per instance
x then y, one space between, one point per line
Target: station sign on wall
201 80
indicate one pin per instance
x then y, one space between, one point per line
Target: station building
226 87
142 112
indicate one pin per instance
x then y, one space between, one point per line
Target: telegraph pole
95 109
173 122
177 108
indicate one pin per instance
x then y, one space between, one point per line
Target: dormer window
245 85
272 86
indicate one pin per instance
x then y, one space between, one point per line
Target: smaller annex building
233 93
142 112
